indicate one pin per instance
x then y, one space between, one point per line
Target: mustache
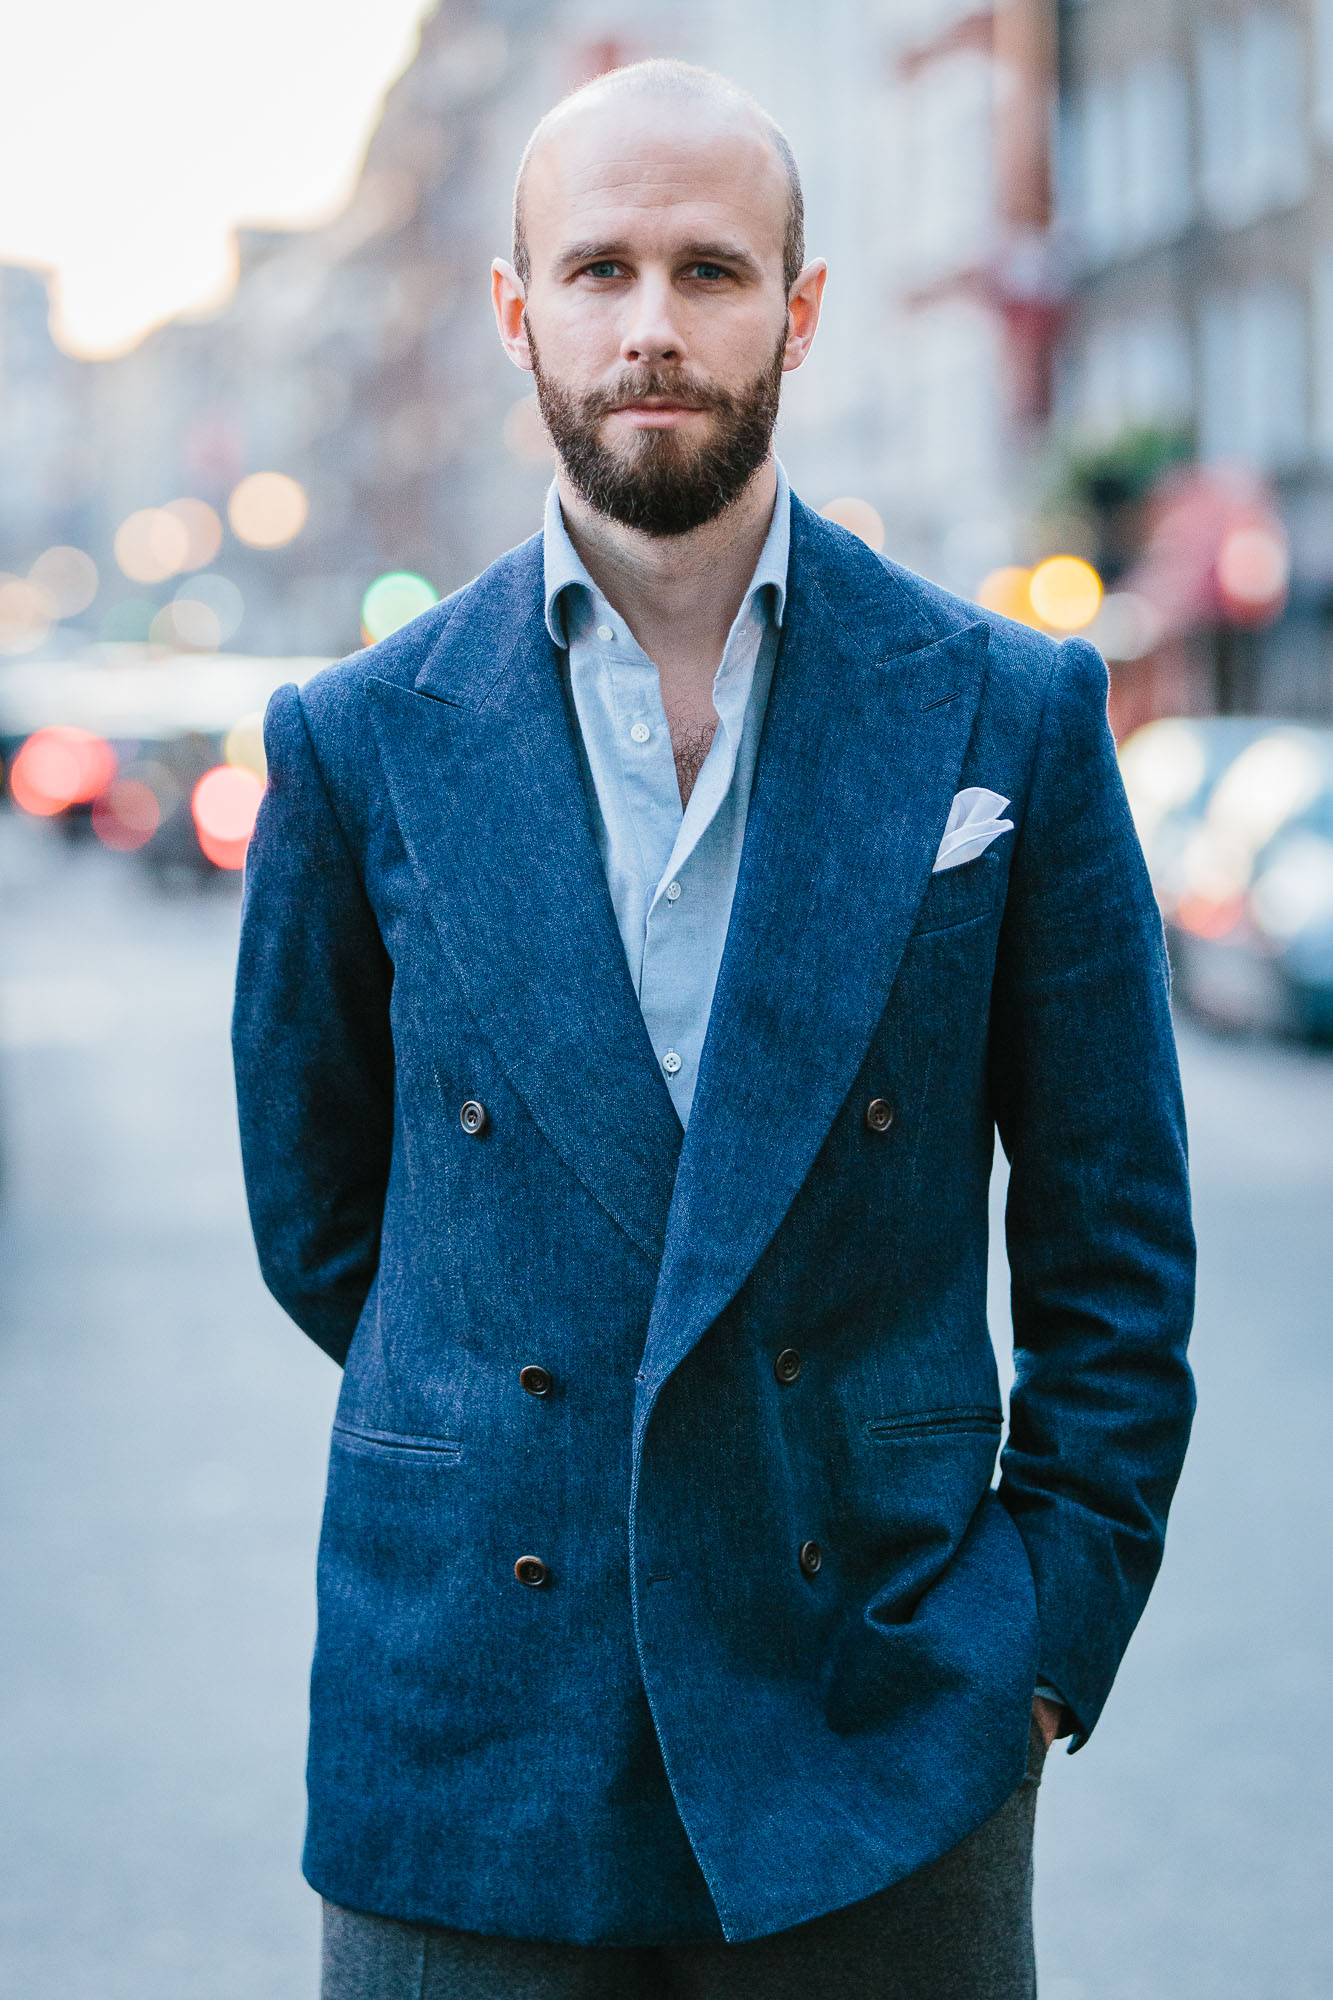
639 385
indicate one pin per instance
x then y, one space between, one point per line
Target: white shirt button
640 732
671 1062
605 634
673 892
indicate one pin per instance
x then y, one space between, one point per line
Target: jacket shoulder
1013 649
893 608
333 698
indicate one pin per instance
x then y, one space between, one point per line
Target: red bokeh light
127 815
60 767
1206 917
224 804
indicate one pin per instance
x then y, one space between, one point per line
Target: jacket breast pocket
960 895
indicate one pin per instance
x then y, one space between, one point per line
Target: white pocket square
973 822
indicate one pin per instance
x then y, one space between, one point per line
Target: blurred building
1197 192
963 321
47 472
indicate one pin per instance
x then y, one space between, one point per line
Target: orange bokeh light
127 815
267 509
1006 591
224 805
60 767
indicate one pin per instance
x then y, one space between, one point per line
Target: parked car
162 759
1236 819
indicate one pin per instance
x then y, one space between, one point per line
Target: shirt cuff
1068 1723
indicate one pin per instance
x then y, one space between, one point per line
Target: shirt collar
564 569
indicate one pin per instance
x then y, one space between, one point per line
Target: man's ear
510 300
803 303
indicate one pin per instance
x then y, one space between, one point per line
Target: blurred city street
162 1462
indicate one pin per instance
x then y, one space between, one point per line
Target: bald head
686 97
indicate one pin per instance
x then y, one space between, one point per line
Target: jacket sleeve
312 1045
1087 1099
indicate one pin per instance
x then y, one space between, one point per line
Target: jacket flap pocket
967 1420
394 1444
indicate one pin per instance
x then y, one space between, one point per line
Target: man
672 1638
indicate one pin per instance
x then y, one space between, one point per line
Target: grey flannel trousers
960 1929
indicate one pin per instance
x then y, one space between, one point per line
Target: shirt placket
647 766
670 997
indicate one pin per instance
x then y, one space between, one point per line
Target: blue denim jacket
778 1644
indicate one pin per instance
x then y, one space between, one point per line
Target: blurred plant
1107 485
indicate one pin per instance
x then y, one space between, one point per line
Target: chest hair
689 747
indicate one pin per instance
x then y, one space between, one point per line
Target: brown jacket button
787 1366
532 1571
810 1556
879 1115
537 1381
473 1118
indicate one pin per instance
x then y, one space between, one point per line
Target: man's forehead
647 159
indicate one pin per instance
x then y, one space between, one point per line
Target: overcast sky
134 134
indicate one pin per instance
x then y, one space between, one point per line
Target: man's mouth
656 413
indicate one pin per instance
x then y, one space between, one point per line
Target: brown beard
660 484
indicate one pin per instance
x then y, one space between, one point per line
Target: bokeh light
859 518
203 531
1272 781
1295 891
1127 626
243 745
151 545
26 614
161 782
188 635
59 767
68 578
126 815
392 602
128 623
1163 765
1207 916
1253 569
1065 592
224 806
189 625
267 509
1006 591
216 596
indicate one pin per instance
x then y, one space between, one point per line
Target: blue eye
709 271
603 269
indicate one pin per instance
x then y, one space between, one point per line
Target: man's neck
679 594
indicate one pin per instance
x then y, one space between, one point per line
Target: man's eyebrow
589 253
721 253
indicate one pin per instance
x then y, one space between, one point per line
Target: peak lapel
868 721
485 783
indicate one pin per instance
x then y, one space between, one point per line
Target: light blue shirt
671 872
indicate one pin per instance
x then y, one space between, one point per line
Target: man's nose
651 334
